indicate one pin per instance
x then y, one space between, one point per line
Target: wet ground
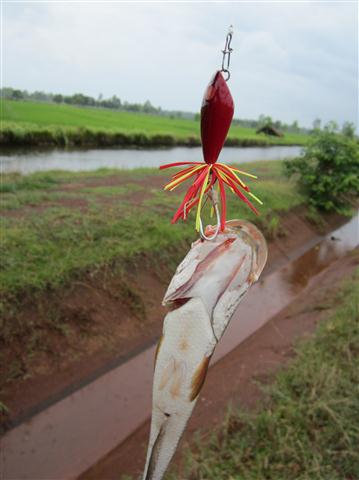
235 381
83 427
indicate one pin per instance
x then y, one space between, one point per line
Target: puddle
70 436
275 291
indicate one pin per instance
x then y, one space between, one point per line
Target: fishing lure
208 285
216 118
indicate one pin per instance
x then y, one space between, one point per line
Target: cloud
293 61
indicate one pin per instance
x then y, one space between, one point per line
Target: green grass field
54 229
32 123
62 229
309 428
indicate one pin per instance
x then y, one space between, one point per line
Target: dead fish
202 297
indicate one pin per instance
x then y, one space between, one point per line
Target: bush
328 171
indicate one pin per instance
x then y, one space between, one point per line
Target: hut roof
270 130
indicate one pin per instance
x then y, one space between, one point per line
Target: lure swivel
227 53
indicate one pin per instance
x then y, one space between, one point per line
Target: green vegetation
115 103
87 222
101 229
34 124
308 429
328 172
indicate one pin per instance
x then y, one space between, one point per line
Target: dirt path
235 378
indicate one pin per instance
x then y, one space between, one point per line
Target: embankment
62 137
25 123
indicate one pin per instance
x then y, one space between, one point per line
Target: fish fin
158 347
155 453
199 378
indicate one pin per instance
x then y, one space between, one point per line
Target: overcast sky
291 60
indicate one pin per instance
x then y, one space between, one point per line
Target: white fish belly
182 361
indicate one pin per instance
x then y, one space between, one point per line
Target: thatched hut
270 130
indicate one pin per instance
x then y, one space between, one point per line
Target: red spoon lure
216 118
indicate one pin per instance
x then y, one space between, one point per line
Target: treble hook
212 195
227 53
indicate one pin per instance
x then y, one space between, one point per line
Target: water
31 161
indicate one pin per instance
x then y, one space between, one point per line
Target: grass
308 429
46 242
30 123
60 229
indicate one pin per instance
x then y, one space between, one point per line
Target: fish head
250 233
220 271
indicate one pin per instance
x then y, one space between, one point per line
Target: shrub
328 171
191 141
162 140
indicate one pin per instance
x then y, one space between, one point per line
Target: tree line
80 99
115 103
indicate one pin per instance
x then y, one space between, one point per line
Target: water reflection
331 248
85 160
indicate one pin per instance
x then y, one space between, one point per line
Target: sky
292 60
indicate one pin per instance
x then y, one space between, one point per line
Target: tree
58 98
115 101
40 96
331 126
316 124
348 129
17 95
261 119
264 120
328 172
81 99
148 107
295 126
6 92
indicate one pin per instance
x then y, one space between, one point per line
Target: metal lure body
202 297
216 117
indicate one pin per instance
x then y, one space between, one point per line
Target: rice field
25 123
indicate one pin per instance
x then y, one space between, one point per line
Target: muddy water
73 434
275 291
32 161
